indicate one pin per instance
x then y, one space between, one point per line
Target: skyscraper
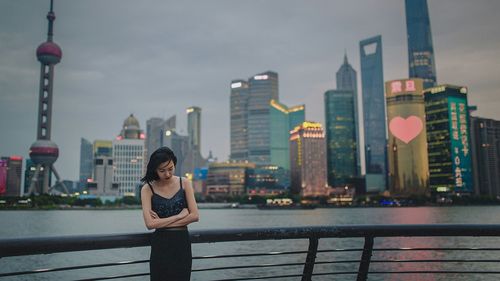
486 155
372 84
128 157
155 133
193 158
448 138
86 161
408 158
239 120
283 120
263 88
421 61
341 146
308 160
347 81
154 127
180 146
194 127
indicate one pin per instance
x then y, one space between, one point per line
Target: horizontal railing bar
340 250
115 277
407 272
260 278
32 246
434 261
436 249
409 261
435 272
250 255
248 266
45 270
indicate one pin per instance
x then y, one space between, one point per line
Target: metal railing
51 245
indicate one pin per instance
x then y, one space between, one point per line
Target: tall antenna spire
44 152
51 17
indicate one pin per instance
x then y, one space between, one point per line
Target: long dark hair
161 155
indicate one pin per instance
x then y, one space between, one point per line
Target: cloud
160 57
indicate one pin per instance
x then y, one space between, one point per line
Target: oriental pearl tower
44 152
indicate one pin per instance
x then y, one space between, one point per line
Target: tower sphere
49 53
44 152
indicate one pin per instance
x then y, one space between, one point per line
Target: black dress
171 257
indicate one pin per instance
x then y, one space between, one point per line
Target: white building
128 157
103 184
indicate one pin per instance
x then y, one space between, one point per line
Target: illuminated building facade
408 158
420 49
227 179
267 180
308 160
485 136
282 121
263 88
239 120
448 137
3 177
128 157
341 146
375 140
11 171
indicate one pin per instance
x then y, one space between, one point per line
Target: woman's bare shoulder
146 188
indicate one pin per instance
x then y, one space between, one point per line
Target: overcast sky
155 58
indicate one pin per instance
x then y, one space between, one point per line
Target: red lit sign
397 86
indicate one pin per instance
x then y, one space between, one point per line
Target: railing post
310 259
364 264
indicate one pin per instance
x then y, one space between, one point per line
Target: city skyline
144 58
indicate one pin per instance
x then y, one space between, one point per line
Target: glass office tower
238 120
263 88
448 137
347 81
340 137
283 120
421 61
372 84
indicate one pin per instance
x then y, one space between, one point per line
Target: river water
17 224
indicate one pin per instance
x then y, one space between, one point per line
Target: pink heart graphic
406 129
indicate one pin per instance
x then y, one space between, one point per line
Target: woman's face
166 170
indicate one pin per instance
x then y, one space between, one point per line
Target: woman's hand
183 213
153 214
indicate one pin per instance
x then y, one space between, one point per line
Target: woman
168 205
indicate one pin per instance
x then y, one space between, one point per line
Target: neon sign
397 86
406 129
